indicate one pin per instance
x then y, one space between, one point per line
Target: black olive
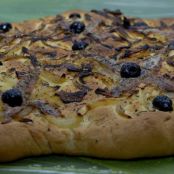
77 27
130 70
5 27
74 15
79 45
162 103
12 97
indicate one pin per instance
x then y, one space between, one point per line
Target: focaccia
96 84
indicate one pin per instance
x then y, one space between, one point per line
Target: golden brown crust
107 136
75 102
148 135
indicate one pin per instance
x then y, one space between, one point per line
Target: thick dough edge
107 136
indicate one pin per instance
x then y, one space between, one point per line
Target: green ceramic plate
80 165
18 10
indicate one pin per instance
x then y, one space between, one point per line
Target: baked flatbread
87 83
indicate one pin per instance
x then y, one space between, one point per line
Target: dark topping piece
162 103
126 23
1 63
27 82
110 63
77 27
171 45
156 47
88 17
83 71
26 120
163 24
73 68
12 70
130 70
116 12
86 67
5 27
122 47
25 50
74 15
162 82
141 25
69 97
45 108
170 61
20 74
86 71
125 85
127 53
104 92
12 97
34 60
38 38
32 57
145 47
10 112
51 54
79 45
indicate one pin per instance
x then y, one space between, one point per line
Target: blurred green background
18 10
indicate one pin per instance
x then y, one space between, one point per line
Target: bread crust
107 136
93 126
